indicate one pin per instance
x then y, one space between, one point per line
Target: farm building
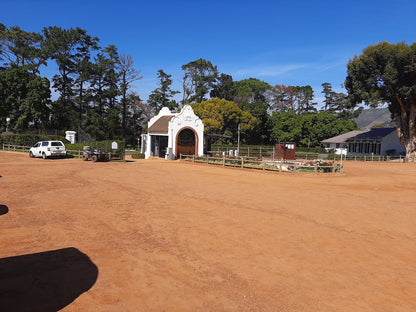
374 141
171 134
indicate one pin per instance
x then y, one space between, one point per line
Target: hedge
29 139
137 155
104 146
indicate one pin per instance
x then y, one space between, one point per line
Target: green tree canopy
163 95
309 129
386 73
199 79
223 117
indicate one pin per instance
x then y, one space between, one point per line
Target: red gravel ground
156 235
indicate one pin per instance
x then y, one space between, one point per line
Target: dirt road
156 235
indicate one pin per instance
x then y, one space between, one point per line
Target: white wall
186 118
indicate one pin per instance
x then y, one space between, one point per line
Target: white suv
47 149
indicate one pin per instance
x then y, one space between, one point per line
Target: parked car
47 149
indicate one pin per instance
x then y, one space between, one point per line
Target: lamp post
7 124
238 141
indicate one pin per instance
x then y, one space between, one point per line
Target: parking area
158 235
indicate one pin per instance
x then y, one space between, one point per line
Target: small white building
374 141
171 134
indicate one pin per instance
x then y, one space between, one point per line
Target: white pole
238 140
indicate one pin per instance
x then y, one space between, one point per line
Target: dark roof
369 134
161 125
343 137
373 134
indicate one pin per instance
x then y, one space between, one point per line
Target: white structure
70 136
171 134
374 141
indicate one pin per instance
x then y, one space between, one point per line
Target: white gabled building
374 141
171 134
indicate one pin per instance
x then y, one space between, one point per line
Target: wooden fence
71 153
266 165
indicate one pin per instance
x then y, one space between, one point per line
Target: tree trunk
407 132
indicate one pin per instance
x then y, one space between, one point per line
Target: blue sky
280 42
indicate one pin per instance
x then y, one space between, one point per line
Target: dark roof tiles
161 125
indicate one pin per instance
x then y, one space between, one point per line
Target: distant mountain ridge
375 117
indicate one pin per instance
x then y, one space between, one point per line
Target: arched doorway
186 142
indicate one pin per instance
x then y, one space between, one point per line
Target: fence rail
15 148
71 153
266 165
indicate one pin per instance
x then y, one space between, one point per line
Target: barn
171 134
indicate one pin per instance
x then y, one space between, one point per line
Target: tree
128 74
329 96
62 46
303 100
223 89
223 117
22 48
320 126
253 95
251 90
24 97
83 69
162 96
283 98
286 126
309 129
386 73
199 79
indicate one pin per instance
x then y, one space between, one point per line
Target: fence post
280 167
333 168
242 162
264 164
223 160
316 168
193 158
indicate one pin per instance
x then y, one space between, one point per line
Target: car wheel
94 158
31 155
43 155
85 157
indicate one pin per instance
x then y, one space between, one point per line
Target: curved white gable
185 119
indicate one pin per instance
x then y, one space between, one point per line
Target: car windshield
56 144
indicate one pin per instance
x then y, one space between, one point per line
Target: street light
7 124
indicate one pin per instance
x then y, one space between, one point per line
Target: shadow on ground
46 281
3 209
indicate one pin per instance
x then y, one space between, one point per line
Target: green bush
104 146
29 139
137 155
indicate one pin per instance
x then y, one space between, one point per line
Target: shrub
104 146
137 155
29 139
